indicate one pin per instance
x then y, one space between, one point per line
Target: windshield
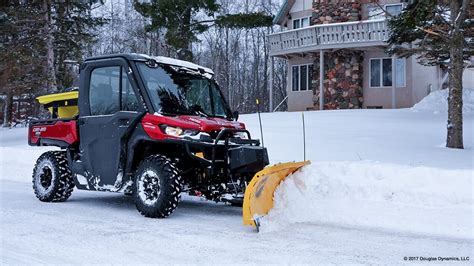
175 90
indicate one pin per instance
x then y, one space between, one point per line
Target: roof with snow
158 59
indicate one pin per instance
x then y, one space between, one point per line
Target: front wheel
157 187
52 178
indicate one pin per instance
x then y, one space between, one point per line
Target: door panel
103 142
109 114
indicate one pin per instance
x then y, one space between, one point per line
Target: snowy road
384 174
94 227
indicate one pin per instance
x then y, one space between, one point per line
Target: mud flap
258 199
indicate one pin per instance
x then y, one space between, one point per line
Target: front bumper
240 156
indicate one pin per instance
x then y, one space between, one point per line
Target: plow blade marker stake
258 199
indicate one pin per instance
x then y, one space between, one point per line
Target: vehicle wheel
157 187
52 178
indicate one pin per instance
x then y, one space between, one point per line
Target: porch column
394 83
321 80
271 84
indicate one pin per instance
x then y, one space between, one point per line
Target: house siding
382 96
299 100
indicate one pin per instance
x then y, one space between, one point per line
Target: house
344 41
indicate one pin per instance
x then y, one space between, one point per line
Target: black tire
52 177
157 187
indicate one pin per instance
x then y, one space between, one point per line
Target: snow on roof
181 63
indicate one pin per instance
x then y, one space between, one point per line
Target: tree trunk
454 138
185 52
51 71
454 126
7 111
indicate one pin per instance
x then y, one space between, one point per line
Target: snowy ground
381 186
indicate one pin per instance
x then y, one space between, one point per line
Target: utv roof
158 59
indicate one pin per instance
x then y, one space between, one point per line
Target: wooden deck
329 36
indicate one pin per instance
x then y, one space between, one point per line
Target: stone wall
343 68
333 11
342 80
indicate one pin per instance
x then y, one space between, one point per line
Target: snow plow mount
259 194
240 156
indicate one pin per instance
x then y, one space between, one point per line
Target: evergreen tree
73 27
438 32
22 52
179 18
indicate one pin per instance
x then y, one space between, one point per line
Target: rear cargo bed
53 132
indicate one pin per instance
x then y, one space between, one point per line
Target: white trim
308 81
332 24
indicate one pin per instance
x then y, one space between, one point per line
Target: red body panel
58 130
151 124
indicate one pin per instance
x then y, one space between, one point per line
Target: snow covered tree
182 24
438 32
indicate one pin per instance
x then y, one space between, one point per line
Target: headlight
241 135
173 131
177 131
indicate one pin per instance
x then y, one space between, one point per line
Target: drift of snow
437 102
400 198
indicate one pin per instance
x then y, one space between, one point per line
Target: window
129 99
296 24
302 77
301 23
104 90
376 12
381 72
304 22
394 9
400 70
105 95
174 91
295 77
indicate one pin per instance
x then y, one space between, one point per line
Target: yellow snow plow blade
258 198
61 105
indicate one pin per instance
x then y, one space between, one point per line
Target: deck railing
327 36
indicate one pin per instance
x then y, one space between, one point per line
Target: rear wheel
52 178
157 187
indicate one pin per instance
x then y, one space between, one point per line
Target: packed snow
381 186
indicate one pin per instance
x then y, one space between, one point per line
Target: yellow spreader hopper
61 105
258 198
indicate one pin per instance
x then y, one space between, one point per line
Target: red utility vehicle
150 126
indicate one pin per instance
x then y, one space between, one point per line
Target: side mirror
235 115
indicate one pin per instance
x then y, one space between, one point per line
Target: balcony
356 34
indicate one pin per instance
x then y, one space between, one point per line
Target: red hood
151 123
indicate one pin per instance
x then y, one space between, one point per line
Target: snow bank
437 102
377 195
